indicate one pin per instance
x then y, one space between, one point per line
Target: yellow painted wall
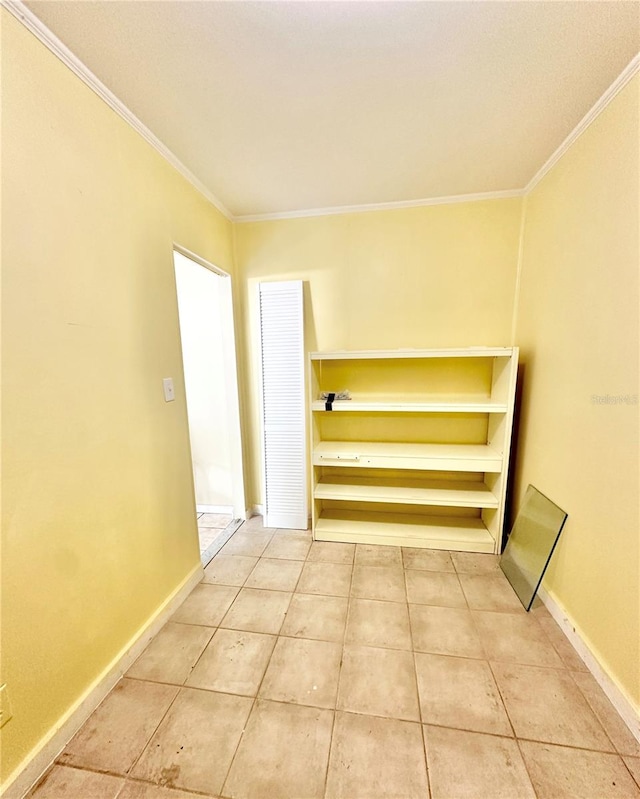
97 515
578 328
435 276
98 524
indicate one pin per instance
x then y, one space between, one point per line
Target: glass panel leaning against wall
531 543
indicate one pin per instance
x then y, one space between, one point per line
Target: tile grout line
344 640
155 730
255 698
180 688
635 779
595 713
415 671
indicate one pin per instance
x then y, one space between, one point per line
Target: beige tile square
114 735
515 638
475 563
444 631
288 546
145 790
295 531
171 654
618 732
461 693
256 525
378 682
61 782
374 758
379 582
207 535
546 705
560 642
275 575
233 663
219 520
283 753
432 560
258 611
318 617
561 773
466 765
229 569
194 745
375 623
373 555
245 543
490 592
434 588
329 579
633 764
205 605
303 672
331 552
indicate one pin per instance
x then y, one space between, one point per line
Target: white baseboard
50 746
618 698
255 510
215 509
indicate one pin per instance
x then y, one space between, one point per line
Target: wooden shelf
360 355
447 493
374 483
431 457
408 530
443 404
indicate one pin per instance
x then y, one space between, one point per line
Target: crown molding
629 72
355 209
44 35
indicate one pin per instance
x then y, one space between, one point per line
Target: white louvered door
283 407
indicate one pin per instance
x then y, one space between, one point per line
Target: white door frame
230 378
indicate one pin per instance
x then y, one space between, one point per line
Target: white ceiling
291 106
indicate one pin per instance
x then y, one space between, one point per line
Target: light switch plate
169 393
5 706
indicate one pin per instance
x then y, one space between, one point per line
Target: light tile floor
210 527
298 670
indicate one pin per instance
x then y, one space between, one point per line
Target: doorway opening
205 311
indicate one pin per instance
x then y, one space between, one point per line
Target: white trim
44 35
198 259
617 696
391 206
231 380
451 352
255 510
49 747
629 72
59 49
215 509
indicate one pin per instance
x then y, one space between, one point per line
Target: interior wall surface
432 276
98 514
578 329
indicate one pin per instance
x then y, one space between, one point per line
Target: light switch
5 707
167 385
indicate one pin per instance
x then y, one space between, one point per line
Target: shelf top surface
449 402
462 352
398 449
394 524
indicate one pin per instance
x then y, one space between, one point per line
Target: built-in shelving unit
418 456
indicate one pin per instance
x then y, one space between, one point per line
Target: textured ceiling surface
291 106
